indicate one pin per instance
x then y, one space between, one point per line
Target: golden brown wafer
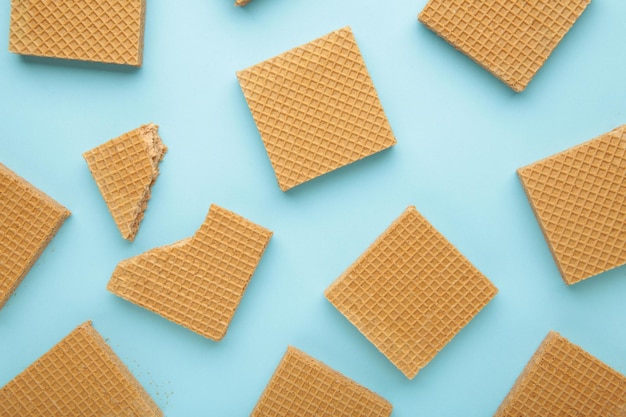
510 39
80 376
410 292
124 169
305 387
316 108
578 198
562 380
242 2
109 31
29 219
197 282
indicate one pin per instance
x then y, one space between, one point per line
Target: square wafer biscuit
125 169
578 198
510 39
29 219
316 108
80 376
305 387
197 282
410 292
109 31
562 380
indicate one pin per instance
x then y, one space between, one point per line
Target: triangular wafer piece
579 199
410 292
510 39
29 219
124 169
316 108
305 387
80 376
197 282
109 31
562 380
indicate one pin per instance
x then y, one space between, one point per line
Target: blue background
461 135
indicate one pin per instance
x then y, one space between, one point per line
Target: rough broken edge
155 150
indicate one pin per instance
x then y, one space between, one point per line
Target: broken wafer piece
578 198
242 2
316 108
125 169
109 31
80 376
29 219
197 282
510 39
305 387
562 380
410 292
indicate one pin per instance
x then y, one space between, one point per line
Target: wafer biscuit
410 292
29 219
305 387
510 39
197 282
80 376
562 380
242 2
578 198
316 108
125 169
109 31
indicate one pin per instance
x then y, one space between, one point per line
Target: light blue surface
461 135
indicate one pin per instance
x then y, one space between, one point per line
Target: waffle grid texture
562 380
305 387
29 219
510 39
197 282
108 31
410 292
80 376
124 169
316 108
578 199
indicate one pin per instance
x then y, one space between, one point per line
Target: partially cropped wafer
578 197
29 219
510 39
305 387
80 376
109 31
562 380
316 108
197 282
242 2
125 169
410 292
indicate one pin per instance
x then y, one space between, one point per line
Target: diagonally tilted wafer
197 282
80 376
124 169
562 380
510 39
305 387
578 197
316 108
109 31
29 219
410 292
